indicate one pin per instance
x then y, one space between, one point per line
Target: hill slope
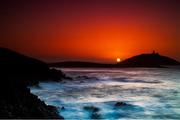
148 60
16 73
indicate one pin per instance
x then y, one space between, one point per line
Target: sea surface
115 94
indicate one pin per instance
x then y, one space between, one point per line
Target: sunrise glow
92 30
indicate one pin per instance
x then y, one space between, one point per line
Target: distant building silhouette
155 53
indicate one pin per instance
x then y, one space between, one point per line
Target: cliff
17 72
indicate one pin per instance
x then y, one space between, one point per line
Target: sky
90 30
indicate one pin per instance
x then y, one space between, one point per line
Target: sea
114 93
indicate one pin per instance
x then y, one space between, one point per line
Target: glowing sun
118 60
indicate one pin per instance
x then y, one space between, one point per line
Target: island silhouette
143 60
19 71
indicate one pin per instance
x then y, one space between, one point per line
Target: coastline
18 72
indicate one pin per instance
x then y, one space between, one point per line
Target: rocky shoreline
17 72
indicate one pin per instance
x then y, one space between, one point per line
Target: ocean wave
136 81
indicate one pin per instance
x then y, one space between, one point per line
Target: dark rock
120 104
63 108
20 103
17 72
85 78
94 112
58 75
91 108
82 77
95 116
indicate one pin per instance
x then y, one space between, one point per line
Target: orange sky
91 30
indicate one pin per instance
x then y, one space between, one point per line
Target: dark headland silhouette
143 60
17 72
